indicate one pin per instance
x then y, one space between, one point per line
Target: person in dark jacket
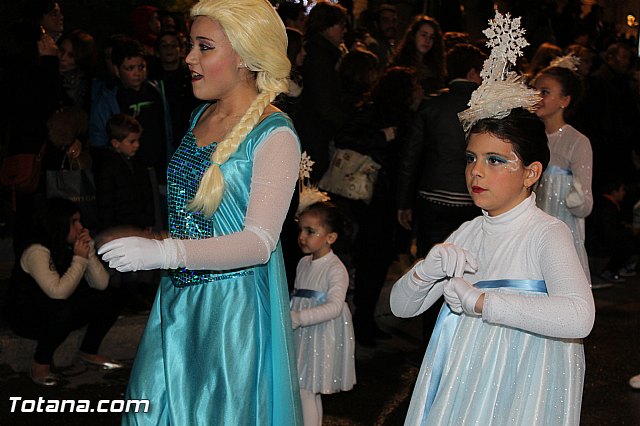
432 197
125 204
123 184
320 115
431 192
377 129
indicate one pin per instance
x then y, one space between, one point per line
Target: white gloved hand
446 260
136 253
461 296
575 197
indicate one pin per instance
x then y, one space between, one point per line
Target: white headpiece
501 90
569 61
308 193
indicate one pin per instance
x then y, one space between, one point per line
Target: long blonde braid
257 34
211 189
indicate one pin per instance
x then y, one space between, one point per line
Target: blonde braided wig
258 36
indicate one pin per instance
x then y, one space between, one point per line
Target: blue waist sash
320 296
442 336
555 170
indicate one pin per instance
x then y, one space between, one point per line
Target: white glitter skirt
325 351
496 375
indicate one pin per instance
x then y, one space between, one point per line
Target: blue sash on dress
319 296
440 342
555 170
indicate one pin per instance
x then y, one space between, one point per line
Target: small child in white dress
323 331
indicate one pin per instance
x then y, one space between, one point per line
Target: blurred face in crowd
132 72
154 22
388 23
620 61
335 34
128 146
424 38
169 49
53 21
66 59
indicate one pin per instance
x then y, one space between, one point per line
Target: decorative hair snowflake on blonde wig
308 193
568 61
501 90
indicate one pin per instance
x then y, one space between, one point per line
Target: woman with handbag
375 131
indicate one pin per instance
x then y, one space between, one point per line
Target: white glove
446 260
461 296
575 197
136 253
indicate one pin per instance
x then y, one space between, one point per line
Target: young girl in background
323 332
422 48
564 190
506 348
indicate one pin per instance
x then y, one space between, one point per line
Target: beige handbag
351 174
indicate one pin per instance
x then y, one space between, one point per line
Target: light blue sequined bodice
183 178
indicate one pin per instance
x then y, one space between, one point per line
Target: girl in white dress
564 190
507 347
323 331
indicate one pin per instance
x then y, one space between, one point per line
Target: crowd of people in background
365 83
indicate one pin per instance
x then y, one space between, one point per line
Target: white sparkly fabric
571 161
522 362
275 173
324 340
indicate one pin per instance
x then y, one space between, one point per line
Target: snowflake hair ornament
501 90
308 193
568 61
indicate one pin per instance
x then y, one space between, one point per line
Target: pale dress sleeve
568 311
411 296
582 170
36 261
275 173
336 295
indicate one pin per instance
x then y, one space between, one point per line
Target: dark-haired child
507 341
122 182
139 97
59 285
125 202
323 331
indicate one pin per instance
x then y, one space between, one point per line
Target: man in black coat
432 195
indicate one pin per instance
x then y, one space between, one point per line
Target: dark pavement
385 379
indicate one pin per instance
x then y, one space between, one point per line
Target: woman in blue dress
217 348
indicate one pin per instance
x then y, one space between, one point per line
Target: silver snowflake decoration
506 36
501 90
305 166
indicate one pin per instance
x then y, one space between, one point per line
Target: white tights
311 408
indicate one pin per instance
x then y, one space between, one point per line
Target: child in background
564 191
323 331
123 183
125 203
